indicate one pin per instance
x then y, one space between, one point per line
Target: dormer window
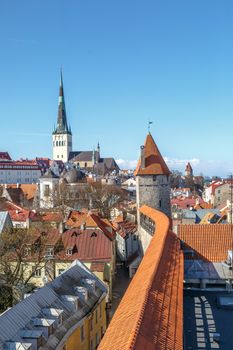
74 234
27 251
46 190
69 251
49 252
36 271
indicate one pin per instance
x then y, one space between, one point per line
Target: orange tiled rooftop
209 242
154 162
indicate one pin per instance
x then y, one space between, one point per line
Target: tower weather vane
149 124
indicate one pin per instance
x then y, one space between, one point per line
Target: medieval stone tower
152 179
189 170
62 136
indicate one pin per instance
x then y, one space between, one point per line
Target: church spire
62 125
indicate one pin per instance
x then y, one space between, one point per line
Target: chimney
143 164
61 227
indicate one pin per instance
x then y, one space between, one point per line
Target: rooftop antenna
149 124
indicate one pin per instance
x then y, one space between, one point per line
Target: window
49 251
46 190
97 339
91 324
82 334
56 143
96 316
27 251
102 331
36 271
69 251
85 164
60 320
160 203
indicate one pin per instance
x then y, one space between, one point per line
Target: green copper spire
62 125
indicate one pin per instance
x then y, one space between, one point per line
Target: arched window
85 164
56 143
59 143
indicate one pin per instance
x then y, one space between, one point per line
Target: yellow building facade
68 313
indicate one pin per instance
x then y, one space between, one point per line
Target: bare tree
22 253
105 197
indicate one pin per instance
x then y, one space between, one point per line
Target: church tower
62 136
152 179
188 170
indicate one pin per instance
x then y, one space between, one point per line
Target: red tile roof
90 244
89 219
186 202
150 315
126 227
52 217
4 156
16 212
97 266
154 162
27 190
209 242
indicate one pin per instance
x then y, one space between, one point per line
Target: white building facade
21 172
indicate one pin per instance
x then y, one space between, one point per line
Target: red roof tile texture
154 162
150 315
88 245
209 242
78 219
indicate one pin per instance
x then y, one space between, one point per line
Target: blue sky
124 62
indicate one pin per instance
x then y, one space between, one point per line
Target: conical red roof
154 162
189 167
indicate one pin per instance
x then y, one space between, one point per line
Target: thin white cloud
126 164
206 167
173 162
